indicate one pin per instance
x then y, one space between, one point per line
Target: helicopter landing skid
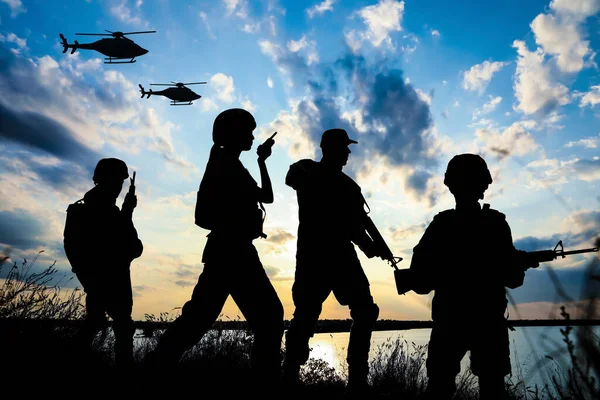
180 103
110 61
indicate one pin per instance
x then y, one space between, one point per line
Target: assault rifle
405 283
380 246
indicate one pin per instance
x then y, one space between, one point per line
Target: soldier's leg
308 294
444 354
352 289
95 311
197 315
258 301
490 361
120 307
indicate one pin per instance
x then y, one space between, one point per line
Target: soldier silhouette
469 303
227 204
331 208
100 242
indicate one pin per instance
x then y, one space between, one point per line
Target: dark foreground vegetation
41 359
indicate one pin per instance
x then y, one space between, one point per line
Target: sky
414 82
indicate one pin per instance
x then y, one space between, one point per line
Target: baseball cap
336 137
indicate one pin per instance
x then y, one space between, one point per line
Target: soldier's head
233 128
467 176
109 174
335 145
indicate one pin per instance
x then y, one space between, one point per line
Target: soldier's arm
425 260
265 194
513 272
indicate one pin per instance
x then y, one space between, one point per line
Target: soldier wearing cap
469 303
330 208
100 242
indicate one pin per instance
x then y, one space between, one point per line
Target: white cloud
126 15
139 3
248 105
515 140
204 18
456 104
256 27
559 32
240 7
444 82
488 107
269 82
562 39
435 33
548 172
222 85
591 98
535 89
382 20
321 8
12 38
589 143
423 96
16 7
479 76
309 47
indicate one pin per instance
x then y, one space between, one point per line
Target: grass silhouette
43 357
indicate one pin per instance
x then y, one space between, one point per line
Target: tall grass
397 367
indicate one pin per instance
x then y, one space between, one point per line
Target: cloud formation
382 19
374 103
16 7
479 76
320 8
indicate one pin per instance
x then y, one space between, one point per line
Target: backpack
74 231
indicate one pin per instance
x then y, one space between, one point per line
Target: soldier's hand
386 255
369 249
526 261
130 202
264 150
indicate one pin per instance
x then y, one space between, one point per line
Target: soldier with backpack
469 304
100 242
229 204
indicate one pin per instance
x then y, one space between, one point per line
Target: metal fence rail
323 326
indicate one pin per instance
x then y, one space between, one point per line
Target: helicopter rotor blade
108 31
161 84
133 33
194 83
95 34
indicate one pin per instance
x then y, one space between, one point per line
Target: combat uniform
228 204
467 257
100 242
330 207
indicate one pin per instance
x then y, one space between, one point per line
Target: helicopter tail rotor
148 93
65 44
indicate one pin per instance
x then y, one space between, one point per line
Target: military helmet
228 123
467 170
110 169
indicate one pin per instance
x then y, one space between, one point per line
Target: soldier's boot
291 374
492 388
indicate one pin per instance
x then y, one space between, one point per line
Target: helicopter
179 94
116 48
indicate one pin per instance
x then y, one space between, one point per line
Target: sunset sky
415 82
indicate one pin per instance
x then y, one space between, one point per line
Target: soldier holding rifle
331 220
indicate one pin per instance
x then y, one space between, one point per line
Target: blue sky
415 82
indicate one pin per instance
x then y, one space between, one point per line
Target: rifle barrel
590 250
